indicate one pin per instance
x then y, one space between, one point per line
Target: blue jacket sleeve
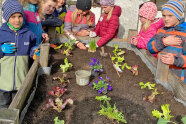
1 52
32 45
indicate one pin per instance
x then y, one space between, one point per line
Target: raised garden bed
126 93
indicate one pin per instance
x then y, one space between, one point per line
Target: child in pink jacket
149 27
108 24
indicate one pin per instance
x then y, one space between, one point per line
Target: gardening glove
92 34
8 48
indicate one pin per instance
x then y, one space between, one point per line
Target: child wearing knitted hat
171 38
149 27
108 23
79 20
16 45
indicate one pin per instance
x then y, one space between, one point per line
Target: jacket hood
158 23
117 11
6 28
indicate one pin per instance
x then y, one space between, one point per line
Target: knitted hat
84 4
10 7
176 7
148 10
107 2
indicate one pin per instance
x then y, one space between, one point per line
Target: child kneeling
16 43
171 38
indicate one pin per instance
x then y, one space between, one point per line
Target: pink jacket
144 36
108 29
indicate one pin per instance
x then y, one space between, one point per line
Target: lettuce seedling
92 46
57 121
152 98
67 65
166 112
117 52
107 110
58 104
102 86
148 85
57 92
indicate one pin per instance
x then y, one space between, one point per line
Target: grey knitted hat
84 4
10 7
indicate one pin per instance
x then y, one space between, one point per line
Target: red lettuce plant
57 92
58 104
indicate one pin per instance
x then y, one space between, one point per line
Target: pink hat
148 10
107 2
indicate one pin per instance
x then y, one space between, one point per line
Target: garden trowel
102 52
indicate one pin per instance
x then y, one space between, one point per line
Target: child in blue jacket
171 39
16 45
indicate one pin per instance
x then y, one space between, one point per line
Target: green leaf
156 113
166 112
58 47
162 121
184 119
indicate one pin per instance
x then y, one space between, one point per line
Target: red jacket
108 29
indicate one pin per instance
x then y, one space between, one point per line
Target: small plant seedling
148 85
68 51
57 92
65 67
134 70
164 118
95 65
102 86
57 121
92 46
152 97
58 104
58 47
111 112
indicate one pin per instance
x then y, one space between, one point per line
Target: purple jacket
144 36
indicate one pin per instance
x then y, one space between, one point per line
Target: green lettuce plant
69 45
107 110
164 117
57 121
65 67
148 85
92 46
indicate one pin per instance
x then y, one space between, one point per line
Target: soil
126 93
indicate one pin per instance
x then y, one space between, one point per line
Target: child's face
49 7
169 19
33 1
142 20
60 3
16 20
83 12
106 9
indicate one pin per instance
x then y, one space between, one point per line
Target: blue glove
8 48
37 53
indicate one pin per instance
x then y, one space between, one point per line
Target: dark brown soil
126 93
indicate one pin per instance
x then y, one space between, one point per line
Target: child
16 44
171 38
149 26
33 20
79 20
108 24
60 12
48 7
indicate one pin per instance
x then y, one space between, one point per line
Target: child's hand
168 59
83 33
81 46
172 40
45 36
62 19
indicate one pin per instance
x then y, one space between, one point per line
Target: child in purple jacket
149 27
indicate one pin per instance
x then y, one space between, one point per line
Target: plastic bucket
82 77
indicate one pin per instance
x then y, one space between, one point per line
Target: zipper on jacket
16 44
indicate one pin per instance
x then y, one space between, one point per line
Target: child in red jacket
150 25
108 24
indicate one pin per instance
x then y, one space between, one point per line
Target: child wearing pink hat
149 27
108 24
